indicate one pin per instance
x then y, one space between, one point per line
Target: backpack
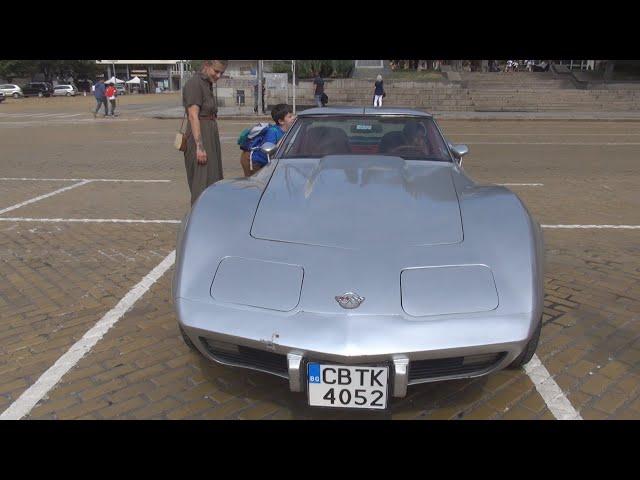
251 137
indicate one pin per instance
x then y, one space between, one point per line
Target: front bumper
418 351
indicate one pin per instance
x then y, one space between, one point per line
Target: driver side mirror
458 152
268 148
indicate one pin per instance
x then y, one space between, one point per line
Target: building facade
163 75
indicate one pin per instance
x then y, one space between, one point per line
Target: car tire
187 340
526 355
16 95
67 94
40 95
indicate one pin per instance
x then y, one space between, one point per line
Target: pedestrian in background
111 94
378 93
318 82
203 156
101 97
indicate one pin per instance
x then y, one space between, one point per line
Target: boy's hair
280 111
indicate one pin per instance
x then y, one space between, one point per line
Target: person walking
378 93
318 82
101 97
111 94
203 156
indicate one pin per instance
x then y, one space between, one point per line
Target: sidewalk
246 113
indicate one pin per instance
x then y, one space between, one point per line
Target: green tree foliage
326 68
49 68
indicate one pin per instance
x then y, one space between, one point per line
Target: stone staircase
479 92
541 92
544 100
430 96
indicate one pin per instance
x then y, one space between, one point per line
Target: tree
49 69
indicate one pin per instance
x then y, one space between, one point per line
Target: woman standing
202 158
378 93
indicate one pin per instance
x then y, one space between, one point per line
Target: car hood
355 201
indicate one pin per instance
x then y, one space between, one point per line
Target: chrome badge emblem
349 300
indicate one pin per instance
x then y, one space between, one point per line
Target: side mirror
459 151
269 148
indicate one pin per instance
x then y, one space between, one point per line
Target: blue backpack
253 137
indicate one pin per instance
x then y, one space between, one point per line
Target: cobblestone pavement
60 278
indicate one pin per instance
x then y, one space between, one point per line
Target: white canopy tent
136 81
114 80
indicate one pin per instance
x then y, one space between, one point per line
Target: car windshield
411 138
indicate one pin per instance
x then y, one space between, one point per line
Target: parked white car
9 89
66 90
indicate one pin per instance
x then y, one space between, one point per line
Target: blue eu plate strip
314 372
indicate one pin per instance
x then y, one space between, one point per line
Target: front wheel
526 355
16 95
67 94
40 95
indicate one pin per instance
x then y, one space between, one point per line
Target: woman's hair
208 63
379 78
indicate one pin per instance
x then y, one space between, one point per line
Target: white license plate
347 387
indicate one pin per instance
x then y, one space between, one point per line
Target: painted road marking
558 404
621 227
134 220
580 144
547 134
42 197
521 184
30 397
81 180
83 220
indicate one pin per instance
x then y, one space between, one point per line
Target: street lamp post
293 70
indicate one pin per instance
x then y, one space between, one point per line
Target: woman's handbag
181 138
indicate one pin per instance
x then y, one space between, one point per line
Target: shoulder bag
181 138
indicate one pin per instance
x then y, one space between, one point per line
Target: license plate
347 387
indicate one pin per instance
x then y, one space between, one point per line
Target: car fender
220 218
497 222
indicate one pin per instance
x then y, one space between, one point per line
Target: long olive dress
199 91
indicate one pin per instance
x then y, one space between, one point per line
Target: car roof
362 111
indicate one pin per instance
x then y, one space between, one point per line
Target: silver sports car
361 260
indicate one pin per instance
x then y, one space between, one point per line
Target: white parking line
545 134
83 220
30 397
621 227
521 184
577 144
41 197
133 220
558 404
81 180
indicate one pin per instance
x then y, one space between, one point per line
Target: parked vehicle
65 90
9 89
120 89
37 89
361 260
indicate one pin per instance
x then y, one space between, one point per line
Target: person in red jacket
111 94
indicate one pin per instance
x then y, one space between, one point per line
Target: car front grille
247 357
446 367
